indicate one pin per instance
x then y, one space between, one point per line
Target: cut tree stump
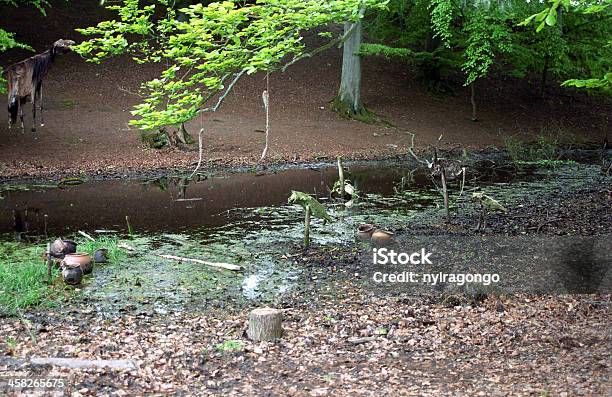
265 324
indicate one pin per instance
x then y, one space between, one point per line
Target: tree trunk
265 324
473 100
544 75
348 101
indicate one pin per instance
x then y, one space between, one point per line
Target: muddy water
236 218
168 204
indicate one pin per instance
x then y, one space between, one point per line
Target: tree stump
265 324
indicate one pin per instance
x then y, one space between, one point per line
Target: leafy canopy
208 48
482 38
594 30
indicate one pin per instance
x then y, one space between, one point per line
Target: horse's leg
40 101
34 99
20 104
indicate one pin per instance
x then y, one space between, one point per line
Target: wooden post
341 177
265 324
445 191
307 227
49 261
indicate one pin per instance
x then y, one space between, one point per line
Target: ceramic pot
81 259
364 232
59 248
73 274
382 238
100 255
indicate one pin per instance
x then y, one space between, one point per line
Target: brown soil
87 110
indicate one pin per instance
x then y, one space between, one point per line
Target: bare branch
338 41
237 77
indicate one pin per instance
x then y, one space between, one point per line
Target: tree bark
349 95
544 75
473 100
265 324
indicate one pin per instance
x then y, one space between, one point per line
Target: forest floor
87 109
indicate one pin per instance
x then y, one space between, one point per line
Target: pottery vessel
81 259
59 248
73 274
101 255
364 232
382 238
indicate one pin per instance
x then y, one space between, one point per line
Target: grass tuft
23 278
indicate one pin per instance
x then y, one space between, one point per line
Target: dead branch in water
227 266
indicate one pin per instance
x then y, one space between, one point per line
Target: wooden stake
265 324
445 192
341 176
49 261
307 227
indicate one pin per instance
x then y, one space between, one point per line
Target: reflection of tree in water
28 225
179 183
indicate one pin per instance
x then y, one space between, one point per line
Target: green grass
115 254
23 278
545 148
231 346
23 274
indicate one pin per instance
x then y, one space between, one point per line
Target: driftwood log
265 324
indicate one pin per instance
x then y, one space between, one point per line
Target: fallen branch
358 341
78 363
126 247
227 266
87 236
190 199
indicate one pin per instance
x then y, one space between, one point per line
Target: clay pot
73 274
81 259
364 232
100 255
382 238
59 248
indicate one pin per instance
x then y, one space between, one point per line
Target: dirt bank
87 110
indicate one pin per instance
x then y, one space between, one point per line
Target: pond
240 218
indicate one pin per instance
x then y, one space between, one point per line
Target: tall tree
348 102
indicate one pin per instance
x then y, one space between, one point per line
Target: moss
154 140
364 114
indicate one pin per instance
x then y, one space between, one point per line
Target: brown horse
25 82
